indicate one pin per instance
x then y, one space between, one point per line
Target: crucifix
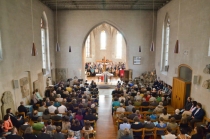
104 61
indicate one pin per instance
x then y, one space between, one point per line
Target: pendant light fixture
176 48
57 44
140 48
33 50
152 47
69 48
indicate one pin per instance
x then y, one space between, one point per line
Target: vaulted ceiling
105 4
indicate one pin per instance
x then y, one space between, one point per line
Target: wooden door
178 93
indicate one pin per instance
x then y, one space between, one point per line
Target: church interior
44 43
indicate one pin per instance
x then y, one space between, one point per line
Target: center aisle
105 128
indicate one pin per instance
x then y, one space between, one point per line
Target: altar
104 76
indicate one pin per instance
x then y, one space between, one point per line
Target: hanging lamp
176 48
69 48
33 50
57 44
140 48
152 47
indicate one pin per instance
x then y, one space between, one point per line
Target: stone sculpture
7 102
24 85
207 69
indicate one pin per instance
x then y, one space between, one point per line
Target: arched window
165 44
103 40
119 46
87 46
45 44
1 57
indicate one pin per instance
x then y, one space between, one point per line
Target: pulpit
127 75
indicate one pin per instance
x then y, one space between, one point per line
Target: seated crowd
145 108
67 112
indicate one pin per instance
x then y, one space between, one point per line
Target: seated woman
76 127
46 115
48 102
153 116
115 103
165 115
198 133
161 124
189 113
173 125
56 103
183 135
159 108
15 121
88 127
184 125
126 135
66 125
71 135
7 123
137 125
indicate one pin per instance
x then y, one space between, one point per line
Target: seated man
62 108
43 134
144 103
39 125
52 108
197 115
125 124
42 108
131 116
169 135
25 125
56 117
120 109
22 108
129 107
58 134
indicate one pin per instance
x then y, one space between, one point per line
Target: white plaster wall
16 33
194 34
74 26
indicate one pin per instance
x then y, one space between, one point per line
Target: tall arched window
103 40
165 44
1 57
119 46
87 46
45 44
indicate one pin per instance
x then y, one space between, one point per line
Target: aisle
105 128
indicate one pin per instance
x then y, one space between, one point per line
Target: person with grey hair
120 109
59 98
129 107
177 115
159 108
22 108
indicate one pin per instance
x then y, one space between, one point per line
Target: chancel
110 43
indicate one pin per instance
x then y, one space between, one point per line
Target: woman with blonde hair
126 135
71 135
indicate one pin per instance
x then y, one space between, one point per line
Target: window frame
165 44
103 42
119 45
88 47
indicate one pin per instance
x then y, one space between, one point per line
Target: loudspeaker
196 79
15 84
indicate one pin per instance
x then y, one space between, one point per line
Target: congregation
68 112
141 111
